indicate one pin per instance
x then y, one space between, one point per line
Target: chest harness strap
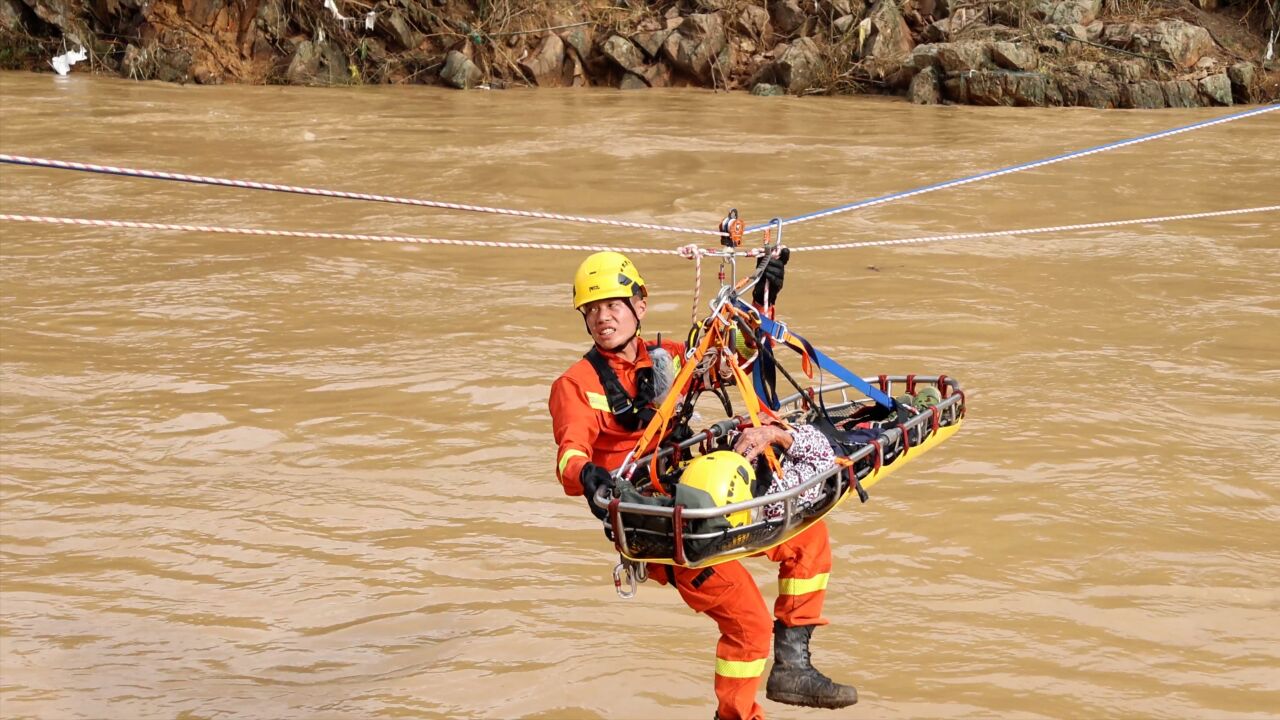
631 412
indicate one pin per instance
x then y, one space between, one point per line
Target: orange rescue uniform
586 431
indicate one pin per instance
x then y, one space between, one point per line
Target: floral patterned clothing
810 454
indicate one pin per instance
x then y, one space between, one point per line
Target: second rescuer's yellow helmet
606 275
725 476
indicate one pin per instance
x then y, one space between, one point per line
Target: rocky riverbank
1098 53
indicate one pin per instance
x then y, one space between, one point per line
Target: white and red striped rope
693 252
320 192
334 236
248 184
1036 231
688 251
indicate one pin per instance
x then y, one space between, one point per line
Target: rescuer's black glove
593 478
773 275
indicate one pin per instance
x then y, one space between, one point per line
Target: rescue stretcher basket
676 535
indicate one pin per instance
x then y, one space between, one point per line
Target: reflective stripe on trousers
804 567
739 668
728 594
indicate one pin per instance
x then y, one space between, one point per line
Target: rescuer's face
611 321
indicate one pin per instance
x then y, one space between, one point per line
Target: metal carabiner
626 569
777 222
626 468
730 279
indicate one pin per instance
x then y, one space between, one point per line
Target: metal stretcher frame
868 465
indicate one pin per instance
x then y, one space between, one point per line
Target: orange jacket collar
617 362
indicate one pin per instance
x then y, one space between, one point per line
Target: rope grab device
652 517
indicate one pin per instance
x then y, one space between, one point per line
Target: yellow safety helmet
725 476
606 275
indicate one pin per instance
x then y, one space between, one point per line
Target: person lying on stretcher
804 450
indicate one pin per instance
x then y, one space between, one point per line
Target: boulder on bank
1067 12
1143 94
796 68
650 42
405 35
546 67
1179 94
787 16
318 63
1243 78
767 90
699 49
1013 56
997 87
926 87
951 57
460 72
1181 43
1216 88
624 53
884 34
753 22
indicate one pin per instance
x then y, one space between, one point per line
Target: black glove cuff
773 276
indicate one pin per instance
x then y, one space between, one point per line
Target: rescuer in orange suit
599 409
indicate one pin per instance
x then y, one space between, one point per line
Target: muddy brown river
301 478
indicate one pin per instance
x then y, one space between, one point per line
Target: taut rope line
253 185
321 192
325 235
1037 231
688 251
1018 168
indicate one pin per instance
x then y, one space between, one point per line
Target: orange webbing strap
657 427
748 390
754 410
806 363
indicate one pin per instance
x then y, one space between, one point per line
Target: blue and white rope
1036 231
254 185
1016 168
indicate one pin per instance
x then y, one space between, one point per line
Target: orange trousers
727 593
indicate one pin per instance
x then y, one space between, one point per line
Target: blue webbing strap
780 332
768 395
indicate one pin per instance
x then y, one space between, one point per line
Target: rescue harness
652 383
631 411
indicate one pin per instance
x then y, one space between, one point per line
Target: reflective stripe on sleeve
739 668
566 457
801 586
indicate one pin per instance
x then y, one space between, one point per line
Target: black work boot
794 681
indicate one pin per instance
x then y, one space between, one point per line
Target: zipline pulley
732 229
